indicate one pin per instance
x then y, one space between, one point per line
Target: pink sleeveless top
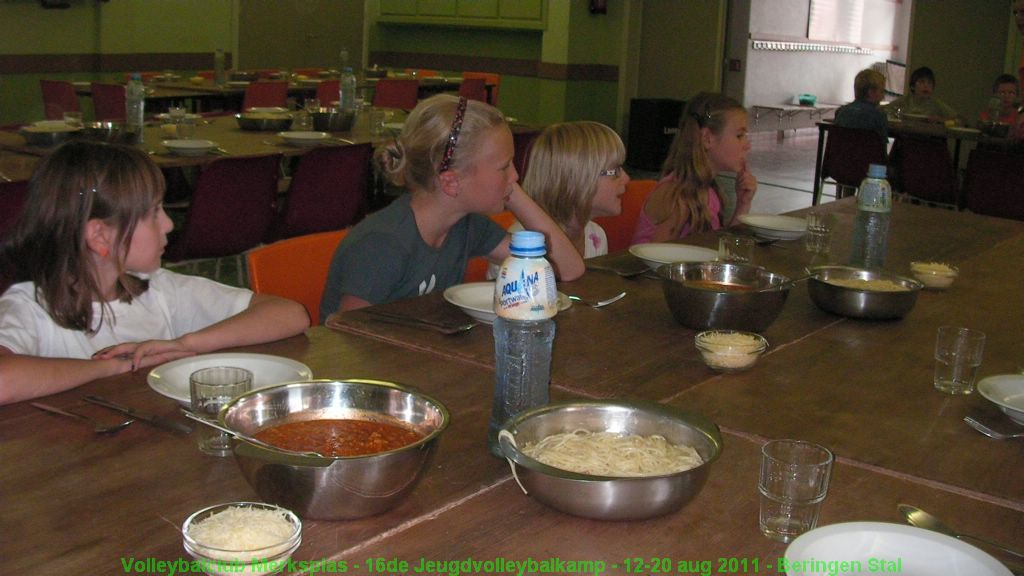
645 228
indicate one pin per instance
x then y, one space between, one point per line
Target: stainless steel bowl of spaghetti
611 460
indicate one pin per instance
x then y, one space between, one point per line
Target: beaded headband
453 136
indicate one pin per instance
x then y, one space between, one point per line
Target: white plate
190 147
43 126
268 109
304 139
775 227
477 300
239 83
921 552
1007 392
394 126
171 379
166 116
657 253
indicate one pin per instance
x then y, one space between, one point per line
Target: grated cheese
727 340
932 267
244 529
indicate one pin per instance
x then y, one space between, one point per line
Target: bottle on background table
135 106
347 97
218 67
871 230
526 301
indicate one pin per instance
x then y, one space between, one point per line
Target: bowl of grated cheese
242 538
730 350
934 275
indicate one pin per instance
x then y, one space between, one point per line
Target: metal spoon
96 426
917 517
193 416
984 429
600 303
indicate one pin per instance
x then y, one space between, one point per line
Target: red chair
473 89
266 94
619 229
923 170
59 97
231 210
272 268
476 268
523 141
848 152
329 191
994 184
328 91
108 101
396 93
494 80
12 201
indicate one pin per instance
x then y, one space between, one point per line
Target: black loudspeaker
653 122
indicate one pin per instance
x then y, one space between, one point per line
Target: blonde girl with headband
89 298
712 139
455 158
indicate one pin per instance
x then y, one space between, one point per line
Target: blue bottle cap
877 171
527 243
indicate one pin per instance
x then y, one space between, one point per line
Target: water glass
185 129
73 119
311 105
958 354
735 248
176 114
818 238
793 484
212 388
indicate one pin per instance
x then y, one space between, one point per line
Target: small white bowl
304 139
934 275
730 350
1007 392
477 300
217 561
190 147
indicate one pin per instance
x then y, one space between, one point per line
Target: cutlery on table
446 328
158 421
96 426
917 517
193 416
628 271
991 433
599 303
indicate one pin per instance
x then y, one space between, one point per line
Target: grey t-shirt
384 258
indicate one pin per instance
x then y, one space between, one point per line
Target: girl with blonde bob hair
575 174
455 158
712 138
89 298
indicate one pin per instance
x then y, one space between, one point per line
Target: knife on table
158 421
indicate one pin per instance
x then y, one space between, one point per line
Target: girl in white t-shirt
88 297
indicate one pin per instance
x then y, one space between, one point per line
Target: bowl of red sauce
375 439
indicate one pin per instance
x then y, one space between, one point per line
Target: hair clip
453 135
82 192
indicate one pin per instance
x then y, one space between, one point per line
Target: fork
984 429
600 303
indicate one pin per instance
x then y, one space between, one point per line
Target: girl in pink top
712 138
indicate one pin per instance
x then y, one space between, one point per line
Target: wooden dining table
861 388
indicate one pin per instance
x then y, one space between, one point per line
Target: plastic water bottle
135 106
347 98
871 231
526 300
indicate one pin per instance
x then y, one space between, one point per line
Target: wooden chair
328 92
619 229
329 191
59 97
265 94
473 89
396 93
476 268
994 184
231 210
523 141
108 101
489 78
922 170
272 268
848 152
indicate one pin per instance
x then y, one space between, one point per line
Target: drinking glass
793 484
818 238
185 128
73 119
212 388
735 248
958 354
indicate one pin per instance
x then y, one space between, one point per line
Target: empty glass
818 238
210 389
735 248
958 354
793 484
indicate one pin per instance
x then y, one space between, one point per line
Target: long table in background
861 388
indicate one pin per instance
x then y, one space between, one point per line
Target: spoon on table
193 416
917 517
96 426
600 303
991 433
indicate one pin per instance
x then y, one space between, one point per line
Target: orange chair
494 80
59 97
266 94
108 101
473 89
272 268
396 93
476 268
619 229
328 91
